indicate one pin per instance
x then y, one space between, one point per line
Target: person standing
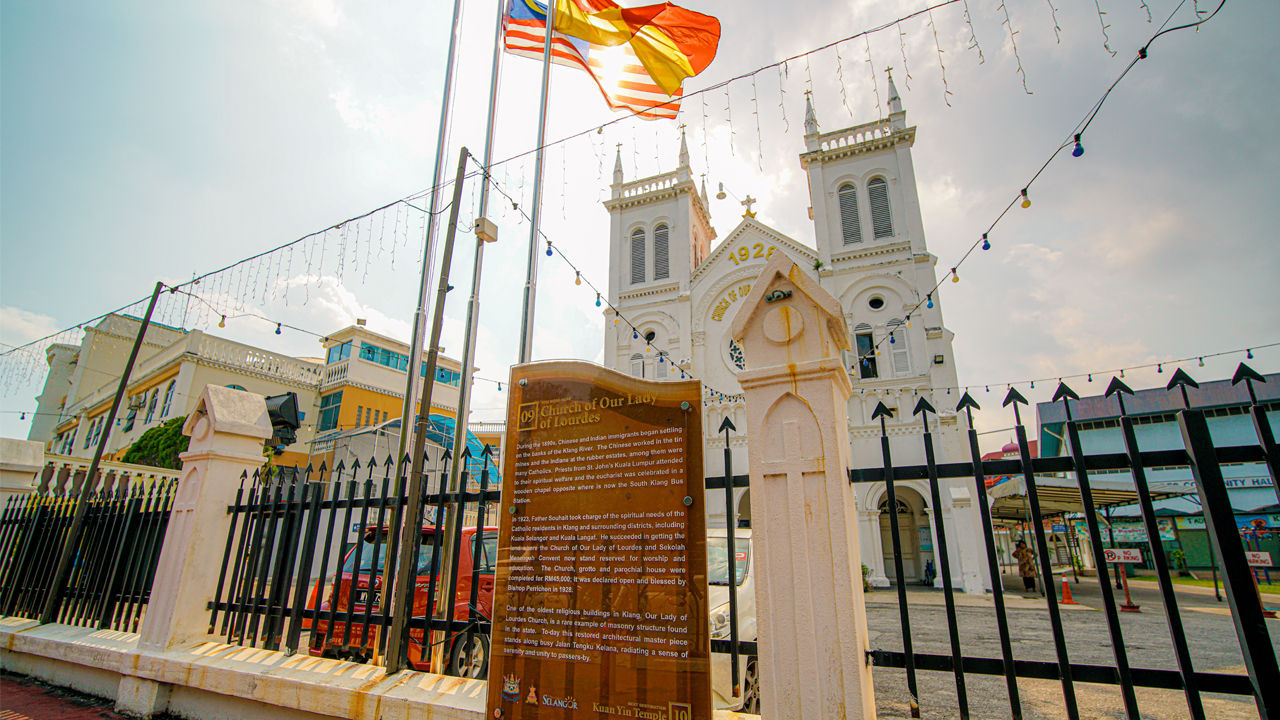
1026 565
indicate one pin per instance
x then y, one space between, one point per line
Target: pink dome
1011 447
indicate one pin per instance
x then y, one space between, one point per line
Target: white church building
868 250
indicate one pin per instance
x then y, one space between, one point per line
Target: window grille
637 256
850 225
881 218
661 255
736 357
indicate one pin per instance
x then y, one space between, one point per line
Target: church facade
677 296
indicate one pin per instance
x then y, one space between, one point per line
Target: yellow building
358 384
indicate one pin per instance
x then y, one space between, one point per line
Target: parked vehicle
361 590
718 600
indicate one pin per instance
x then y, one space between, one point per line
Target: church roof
747 227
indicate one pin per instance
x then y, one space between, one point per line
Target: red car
360 644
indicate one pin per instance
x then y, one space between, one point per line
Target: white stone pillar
811 615
227 430
20 464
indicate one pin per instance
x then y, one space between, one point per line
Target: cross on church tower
747 203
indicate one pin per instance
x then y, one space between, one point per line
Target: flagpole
408 523
531 279
473 303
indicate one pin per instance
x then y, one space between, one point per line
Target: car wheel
751 687
470 660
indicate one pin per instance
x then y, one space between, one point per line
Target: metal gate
1205 462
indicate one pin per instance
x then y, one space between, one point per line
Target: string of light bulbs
780 66
1074 141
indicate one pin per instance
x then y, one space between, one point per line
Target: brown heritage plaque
600 605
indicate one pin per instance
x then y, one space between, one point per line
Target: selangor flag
619 73
671 42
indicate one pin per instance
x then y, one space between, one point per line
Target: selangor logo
511 688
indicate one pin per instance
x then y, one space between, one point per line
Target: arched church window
735 355
881 218
850 226
637 256
661 256
637 365
898 348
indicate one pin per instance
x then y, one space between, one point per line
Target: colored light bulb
1078 150
986 244
1159 367
929 303
1026 201
635 335
1090 377
548 248
955 276
1249 354
277 328
1201 362
223 322
892 340
597 299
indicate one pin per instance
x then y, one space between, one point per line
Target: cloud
18 326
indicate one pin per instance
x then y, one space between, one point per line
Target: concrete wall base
213 681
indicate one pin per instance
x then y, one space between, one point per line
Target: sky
146 142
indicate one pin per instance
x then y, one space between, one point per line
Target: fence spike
339 468
373 461
1180 377
323 467
448 454
488 449
881 410
388 462
727 423
1064 391
1244 372
1013 396
466 452
967 401
355 466
1117 386
923 406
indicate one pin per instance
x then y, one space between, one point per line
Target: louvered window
637 256
850 225
661 257
637 365
881 218
898 348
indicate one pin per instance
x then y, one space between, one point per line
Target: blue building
1154 413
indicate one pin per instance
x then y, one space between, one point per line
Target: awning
1059 495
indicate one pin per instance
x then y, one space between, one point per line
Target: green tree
159 446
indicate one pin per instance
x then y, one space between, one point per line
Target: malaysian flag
622 79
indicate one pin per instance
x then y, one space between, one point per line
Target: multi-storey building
357 385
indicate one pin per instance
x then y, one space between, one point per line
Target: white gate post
227 430
812 619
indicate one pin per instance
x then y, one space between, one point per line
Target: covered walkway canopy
1059 495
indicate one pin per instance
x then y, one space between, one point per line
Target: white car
722 697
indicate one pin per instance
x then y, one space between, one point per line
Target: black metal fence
313 551
114 558
1205 461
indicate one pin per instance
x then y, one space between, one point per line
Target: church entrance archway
914 537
